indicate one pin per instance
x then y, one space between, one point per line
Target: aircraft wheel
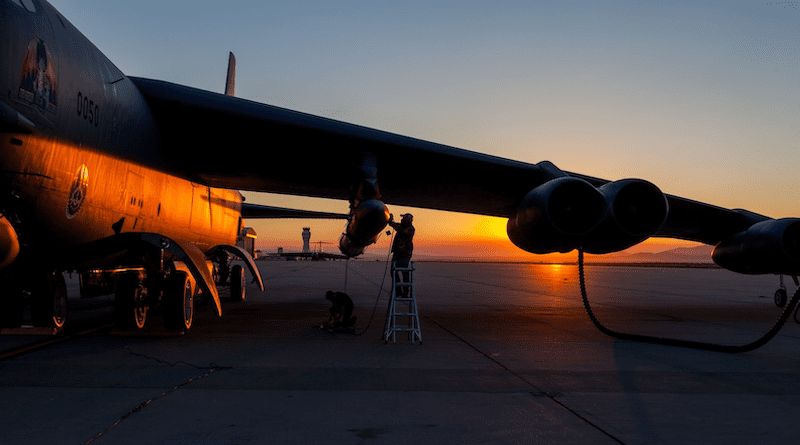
780 297
238 284
49 301
130 307
178 302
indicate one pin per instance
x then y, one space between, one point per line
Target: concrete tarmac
508 356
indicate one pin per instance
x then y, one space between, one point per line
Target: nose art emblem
37 84
77 192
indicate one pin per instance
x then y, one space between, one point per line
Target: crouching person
341 311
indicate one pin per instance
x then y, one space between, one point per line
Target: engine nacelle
557 215
637 210
771 246
9 243
365 225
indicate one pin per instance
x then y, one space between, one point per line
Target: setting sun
489 227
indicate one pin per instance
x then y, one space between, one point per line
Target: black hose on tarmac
787 311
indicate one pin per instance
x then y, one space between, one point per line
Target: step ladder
403 304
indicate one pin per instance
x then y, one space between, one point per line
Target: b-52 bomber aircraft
122 178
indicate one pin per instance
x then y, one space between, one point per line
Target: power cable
380 291
787 311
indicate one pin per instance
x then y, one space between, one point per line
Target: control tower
306 238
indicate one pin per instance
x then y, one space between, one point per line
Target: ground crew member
403 246
341 310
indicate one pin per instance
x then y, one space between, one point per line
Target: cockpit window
27 4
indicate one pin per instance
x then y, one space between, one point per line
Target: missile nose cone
367 222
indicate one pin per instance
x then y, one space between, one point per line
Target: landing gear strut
225 274
780 295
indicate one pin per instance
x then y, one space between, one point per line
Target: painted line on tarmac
35 346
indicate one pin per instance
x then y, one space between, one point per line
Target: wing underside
289 152
269 212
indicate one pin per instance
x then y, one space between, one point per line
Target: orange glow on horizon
490 228
438 234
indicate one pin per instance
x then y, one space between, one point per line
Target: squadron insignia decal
77 192
37 85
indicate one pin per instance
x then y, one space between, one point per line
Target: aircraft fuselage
83 184
72 172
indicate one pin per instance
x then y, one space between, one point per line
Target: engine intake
566 212
556 215
365 225
771 246
638 209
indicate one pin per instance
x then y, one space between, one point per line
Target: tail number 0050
88 109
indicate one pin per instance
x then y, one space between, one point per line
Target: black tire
238 284
781 297
130 305
49 301
178 302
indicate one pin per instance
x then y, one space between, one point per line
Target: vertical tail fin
230 82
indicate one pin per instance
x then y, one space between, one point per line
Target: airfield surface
508 356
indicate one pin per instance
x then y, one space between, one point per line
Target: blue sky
699 97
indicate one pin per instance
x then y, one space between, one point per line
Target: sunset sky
701 98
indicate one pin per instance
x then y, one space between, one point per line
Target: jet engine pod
637 210
555 216
771 246
366 223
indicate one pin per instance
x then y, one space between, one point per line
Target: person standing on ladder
403 245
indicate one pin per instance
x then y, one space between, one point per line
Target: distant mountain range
698 254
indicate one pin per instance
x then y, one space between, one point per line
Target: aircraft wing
705 223
221 141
